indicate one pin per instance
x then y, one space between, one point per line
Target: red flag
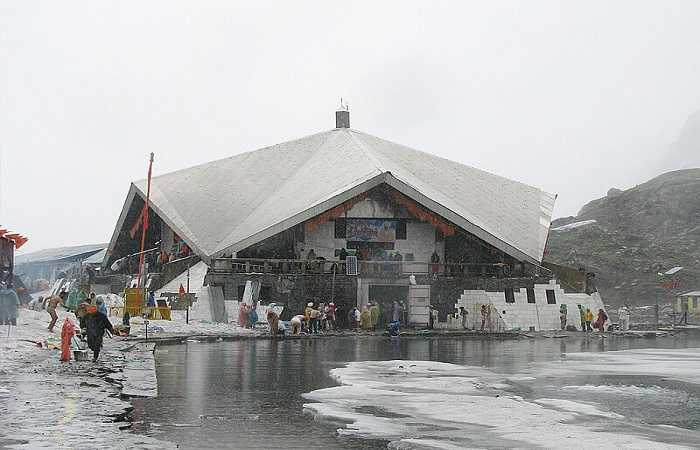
137 225
181 291
20 242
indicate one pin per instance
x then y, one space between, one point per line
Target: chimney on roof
342 116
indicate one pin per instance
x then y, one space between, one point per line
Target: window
265 293
401 230
530 295
340 228
551 298
510 295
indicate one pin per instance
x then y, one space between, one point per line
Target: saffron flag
143 219
181 292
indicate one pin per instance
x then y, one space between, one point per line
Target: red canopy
18 239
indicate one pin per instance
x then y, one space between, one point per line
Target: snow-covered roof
673 270
59 253
226 205
97 258
691 294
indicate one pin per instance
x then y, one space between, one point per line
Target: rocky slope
629 236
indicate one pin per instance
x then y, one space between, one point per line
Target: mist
571 97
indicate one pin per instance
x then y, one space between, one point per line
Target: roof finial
342 115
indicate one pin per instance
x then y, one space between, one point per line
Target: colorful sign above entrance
370 230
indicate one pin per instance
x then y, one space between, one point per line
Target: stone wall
445 292
522 315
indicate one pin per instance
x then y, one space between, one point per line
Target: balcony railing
365 268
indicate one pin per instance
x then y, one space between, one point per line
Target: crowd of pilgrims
318 318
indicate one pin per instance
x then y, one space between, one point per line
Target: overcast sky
571 97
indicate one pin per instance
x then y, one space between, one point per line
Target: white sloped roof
59 253
227 205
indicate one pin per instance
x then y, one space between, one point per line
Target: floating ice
423 404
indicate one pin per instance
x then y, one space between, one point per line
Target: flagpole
142 257
187 316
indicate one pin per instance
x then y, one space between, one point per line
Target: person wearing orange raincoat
67 332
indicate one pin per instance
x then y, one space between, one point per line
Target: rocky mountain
628 237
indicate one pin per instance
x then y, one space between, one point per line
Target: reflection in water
247 394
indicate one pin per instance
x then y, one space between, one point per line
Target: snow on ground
423 404
49 404
572 226
178 327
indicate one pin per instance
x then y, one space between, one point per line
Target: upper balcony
372 269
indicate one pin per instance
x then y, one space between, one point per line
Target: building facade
343 217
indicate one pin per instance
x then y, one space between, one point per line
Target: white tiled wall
420 238
524 315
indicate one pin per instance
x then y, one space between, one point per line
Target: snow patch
572 226
424 404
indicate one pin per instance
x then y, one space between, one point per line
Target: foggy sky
571 97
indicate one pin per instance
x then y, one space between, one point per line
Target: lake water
248 394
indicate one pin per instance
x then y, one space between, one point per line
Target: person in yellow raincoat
589 319
307 314
366 319
374 315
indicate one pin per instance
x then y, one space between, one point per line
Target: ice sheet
423 404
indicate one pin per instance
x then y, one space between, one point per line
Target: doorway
385 294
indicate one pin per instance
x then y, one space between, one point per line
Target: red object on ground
67 332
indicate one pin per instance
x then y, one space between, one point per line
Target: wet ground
248 394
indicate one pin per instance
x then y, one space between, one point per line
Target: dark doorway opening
385 295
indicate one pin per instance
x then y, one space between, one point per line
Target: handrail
267 265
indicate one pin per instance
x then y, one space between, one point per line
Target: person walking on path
600 321
80 312
582 314
9 301
562 316
589 319
374 312
51 306
97 323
